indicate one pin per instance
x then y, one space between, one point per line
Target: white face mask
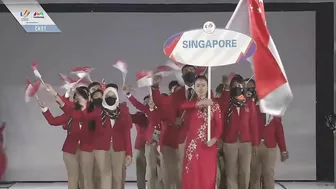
116 104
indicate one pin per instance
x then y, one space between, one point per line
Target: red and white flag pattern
144 78
32 89
122 66
36 72
164 71
83 72
103 84
272 85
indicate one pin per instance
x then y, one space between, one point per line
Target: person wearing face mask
94 86
78 137
171 106
271 135
154 139
240 137
118 122
200 160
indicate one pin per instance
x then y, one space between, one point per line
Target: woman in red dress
200 159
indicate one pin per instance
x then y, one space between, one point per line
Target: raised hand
157 80
50 89
41 104
126 89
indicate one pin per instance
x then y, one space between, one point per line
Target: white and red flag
32 89
164 71
83 72
144 78
103 84
272 85
122 66
36 72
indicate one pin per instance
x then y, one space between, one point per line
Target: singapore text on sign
219 48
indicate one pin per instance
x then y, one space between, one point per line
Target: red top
119 133
141 123
272 133
157 120
244 124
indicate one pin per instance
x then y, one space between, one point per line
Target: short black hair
83 91
236 79
112 85
173 84
188 66
164 94
93 84
147 96
220 88
97 91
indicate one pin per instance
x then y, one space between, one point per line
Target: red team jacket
156 117
141 123
273 133
171 104
244 126
119 134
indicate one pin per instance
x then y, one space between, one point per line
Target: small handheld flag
36 72
83 72
122 66
32 89
164 71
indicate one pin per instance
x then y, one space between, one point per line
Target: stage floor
282 185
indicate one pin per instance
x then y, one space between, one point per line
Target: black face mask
250 93
236 91
77 106
97 102
189 77
110 100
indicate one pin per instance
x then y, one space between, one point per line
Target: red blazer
273 133
119 134
170 104
243 125
141 123
84 134
223 100
157 118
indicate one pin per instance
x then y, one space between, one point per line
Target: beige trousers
263 165
118 168
220 177
87 163
151 154
238 163
180 157
140 161
170 169
73 170
96 175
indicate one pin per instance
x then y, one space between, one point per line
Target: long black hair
92 123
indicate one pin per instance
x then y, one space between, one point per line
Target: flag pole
209 107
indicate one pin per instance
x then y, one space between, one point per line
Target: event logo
38 14
25 14
200 47
209 27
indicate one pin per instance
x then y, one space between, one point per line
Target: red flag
66 79
144 78
272 86
122 66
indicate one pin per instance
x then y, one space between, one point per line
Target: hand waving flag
164 71
122 66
